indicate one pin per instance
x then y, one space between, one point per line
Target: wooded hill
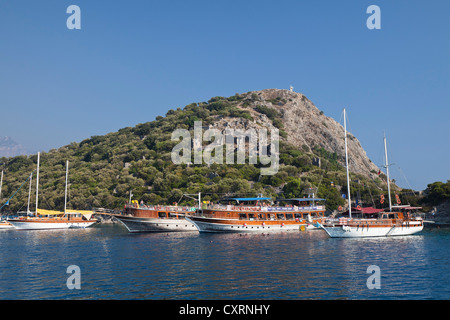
103 169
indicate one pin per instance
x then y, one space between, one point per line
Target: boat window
242 216
298 216
272 216
251 216
289 216
261 216
280 216
162 214
172 215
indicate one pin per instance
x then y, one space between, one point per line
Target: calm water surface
299 265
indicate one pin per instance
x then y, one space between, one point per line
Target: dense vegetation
103 169
437 192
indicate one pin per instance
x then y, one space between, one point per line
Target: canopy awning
86 213
49 212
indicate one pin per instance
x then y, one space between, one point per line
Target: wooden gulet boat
258 215
155 218
377 224
50 219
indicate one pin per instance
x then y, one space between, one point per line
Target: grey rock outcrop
304 124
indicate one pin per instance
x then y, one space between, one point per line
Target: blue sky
134 60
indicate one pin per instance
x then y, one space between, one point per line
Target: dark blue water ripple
305 265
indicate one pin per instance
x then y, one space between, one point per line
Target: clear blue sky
134 60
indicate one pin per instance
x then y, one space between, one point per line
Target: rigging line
48 205
7 202
95 199
404 176
370 192
325 170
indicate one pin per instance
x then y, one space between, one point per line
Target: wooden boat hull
361 231
4 225
222 225
143 224
44 225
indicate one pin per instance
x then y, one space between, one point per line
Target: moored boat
381 223
155 218
4 225
259 215
50 219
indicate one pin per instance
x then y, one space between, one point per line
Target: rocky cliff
304 124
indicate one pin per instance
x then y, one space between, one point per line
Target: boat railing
354 222
162 208
262 208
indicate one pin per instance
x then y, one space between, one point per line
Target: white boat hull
6 226
138 224
211 226
372 231
31 225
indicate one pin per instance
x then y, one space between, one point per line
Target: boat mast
346 165
65 192
37 182
1 183
387 173
29 194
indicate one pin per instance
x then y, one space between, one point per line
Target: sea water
114 264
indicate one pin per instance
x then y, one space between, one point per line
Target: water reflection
297 265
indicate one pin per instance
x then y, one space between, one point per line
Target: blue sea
114 264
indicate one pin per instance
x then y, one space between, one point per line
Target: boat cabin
259 208
408 211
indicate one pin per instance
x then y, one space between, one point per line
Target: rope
7 202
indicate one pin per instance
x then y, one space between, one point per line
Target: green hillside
103 169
